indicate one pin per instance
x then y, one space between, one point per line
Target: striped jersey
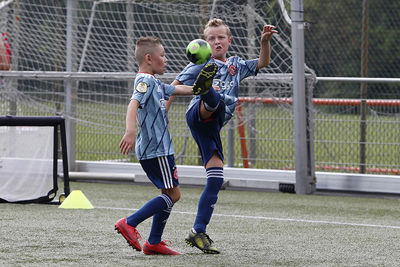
153 139
228 78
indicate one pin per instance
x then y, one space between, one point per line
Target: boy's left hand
267 33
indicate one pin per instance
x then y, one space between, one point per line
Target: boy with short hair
154 147
208 113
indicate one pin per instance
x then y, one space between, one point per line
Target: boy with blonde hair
208 113
154 147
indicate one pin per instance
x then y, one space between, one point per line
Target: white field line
274 219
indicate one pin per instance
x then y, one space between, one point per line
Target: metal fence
261 134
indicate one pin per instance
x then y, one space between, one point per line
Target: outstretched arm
128 140
265 49
183 90
171 98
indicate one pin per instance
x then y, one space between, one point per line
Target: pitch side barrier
240 178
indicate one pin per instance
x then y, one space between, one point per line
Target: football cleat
160 248
129 233
204 79
201 241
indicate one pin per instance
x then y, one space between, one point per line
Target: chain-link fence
262 133
356 126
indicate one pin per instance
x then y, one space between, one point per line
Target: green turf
250 228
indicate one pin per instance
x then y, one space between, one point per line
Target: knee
175 196
215 161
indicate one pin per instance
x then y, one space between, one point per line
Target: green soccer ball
198 51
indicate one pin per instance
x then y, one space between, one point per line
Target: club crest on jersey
141 87
232 70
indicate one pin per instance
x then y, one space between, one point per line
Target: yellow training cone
76 200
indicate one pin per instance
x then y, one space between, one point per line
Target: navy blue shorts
161 171
206 133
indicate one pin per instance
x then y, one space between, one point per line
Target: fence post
364 88
252 108
70 85
305 177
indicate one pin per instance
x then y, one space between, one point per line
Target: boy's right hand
267 33
127 143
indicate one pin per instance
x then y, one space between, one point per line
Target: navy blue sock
152 207
157 228
211 99
208 199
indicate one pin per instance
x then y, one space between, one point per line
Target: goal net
28 158
76 58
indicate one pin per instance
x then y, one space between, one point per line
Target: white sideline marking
275 219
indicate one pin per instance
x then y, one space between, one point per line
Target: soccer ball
198 51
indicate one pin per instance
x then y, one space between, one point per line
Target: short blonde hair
216 23
144 46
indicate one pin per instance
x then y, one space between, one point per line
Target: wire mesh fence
262 129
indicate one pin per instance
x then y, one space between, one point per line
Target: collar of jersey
146 73
219 59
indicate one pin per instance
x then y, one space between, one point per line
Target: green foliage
333 44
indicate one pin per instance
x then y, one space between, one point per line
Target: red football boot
129 233
160 248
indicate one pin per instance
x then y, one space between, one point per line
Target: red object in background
7 45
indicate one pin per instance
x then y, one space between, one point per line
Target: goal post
29 158
304 137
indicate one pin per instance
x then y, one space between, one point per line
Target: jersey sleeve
142 90
169 89
189 74
248 68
